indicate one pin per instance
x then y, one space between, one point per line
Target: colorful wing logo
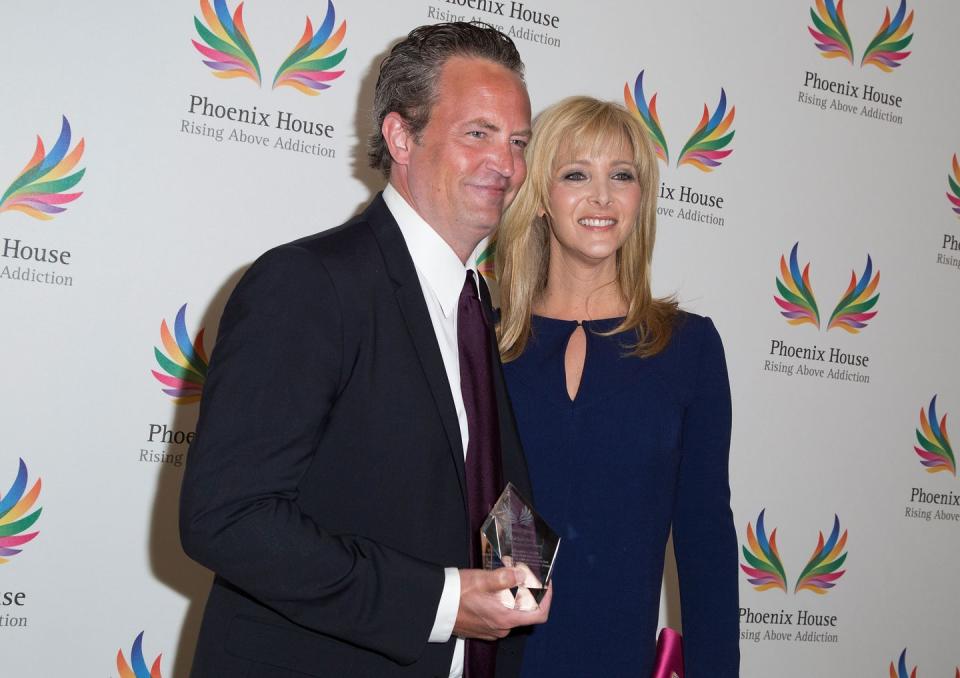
485 261
954 183
797 301
637 104
831 34
185 362
935 450
308 68
798 305
14 522
228 50
765 568
823 568
852 312
39 190
139 668
884 51
705 148
900 670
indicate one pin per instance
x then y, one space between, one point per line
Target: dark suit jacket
325 487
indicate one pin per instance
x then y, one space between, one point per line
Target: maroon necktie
482 463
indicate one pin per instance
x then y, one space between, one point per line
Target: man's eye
522 143
477 133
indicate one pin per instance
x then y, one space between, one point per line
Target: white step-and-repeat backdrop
149 152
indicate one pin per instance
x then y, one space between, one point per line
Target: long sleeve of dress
704 537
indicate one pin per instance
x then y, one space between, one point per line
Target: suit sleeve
704 537
274 376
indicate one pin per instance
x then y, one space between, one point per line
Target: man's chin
484 212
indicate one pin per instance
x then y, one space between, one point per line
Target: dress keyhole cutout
573 361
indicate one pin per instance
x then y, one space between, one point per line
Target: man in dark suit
327 487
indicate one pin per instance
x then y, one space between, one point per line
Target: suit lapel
409 296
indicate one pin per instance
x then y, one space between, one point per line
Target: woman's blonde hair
575 126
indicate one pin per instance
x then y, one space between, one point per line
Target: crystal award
513 535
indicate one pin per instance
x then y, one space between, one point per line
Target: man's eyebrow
484 123
487 125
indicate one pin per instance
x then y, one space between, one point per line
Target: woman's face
594 203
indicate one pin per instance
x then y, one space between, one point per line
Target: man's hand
482 613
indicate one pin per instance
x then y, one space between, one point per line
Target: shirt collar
436 262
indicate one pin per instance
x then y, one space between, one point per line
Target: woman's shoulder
692 332
696 348
697 354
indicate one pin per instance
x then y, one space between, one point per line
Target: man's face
468 164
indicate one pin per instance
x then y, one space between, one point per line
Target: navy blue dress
642 447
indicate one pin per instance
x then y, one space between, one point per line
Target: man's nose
503 159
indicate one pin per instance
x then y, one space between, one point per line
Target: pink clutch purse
669 660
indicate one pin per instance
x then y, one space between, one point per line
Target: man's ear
398 138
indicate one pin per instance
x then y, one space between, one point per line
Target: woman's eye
574 176
623 176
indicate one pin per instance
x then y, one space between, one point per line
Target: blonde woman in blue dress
622 402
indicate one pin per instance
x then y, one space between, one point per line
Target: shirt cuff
448 607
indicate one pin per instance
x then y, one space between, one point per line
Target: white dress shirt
441 275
